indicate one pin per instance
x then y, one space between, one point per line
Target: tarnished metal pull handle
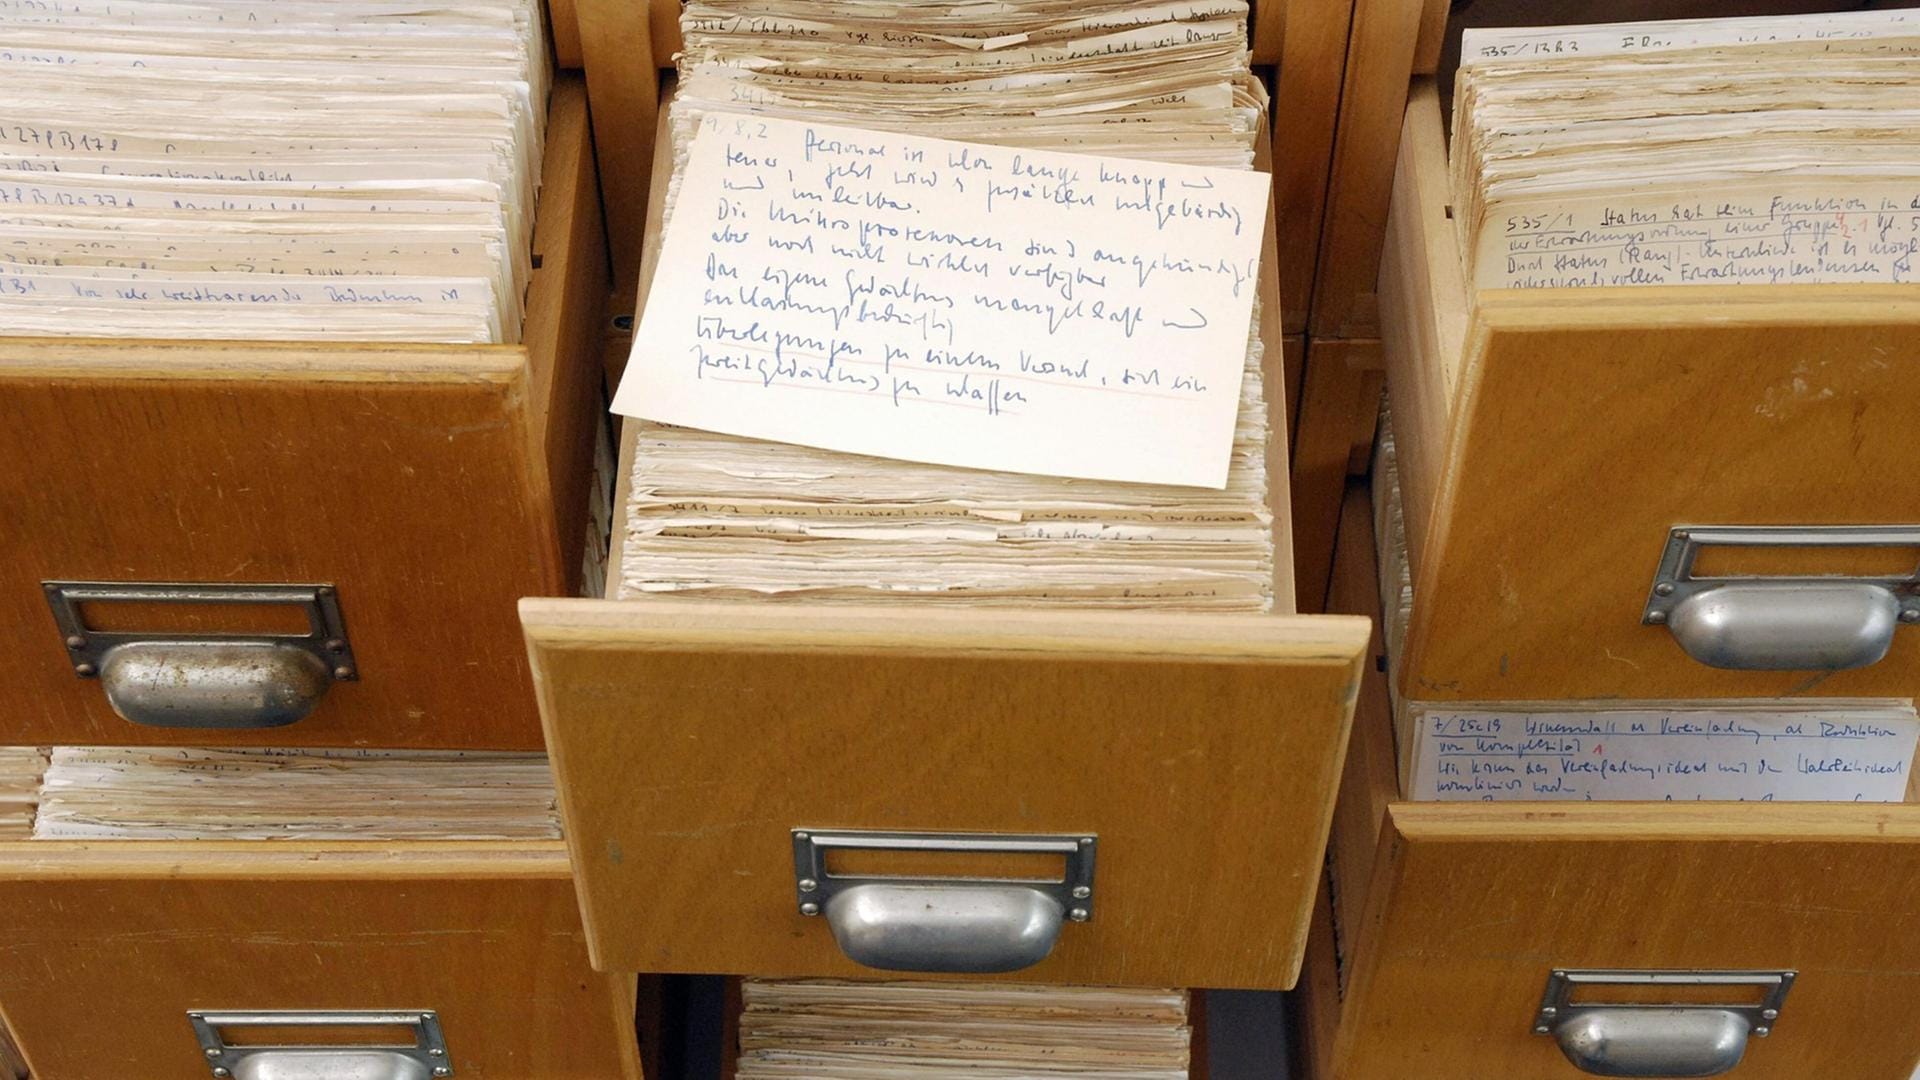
1644 1040
971 925
1782 623
424 1059
207 680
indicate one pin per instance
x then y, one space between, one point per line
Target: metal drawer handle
1657 1040
974 925
1782 623
207 680
426 1058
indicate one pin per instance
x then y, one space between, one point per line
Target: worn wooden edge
1370 781
1373 100
1424 311
84 358
623 994
1695 307
563 27
563 331
568 201
1433 36
1339 401
624 91
1268 34
667 625
1306 105
104 860
1628 822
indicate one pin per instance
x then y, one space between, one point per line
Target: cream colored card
905 297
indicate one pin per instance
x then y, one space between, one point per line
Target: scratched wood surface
689 738
1545 464
433 485
105 947
1473 905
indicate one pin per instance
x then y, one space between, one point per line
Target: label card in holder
945 302
1857 752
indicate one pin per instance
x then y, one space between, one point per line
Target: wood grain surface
1474 905
689 738
1373 98
1545 463
1306 108
432 485
105 947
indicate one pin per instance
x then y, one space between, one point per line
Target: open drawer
1449 922
714 758
1584 470
380 507
157 959
1078 797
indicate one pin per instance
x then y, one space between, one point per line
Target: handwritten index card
1861 752
945 302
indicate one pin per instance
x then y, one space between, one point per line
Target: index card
897 296
1858 752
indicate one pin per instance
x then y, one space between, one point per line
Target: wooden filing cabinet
1559 448
694 740
429 487
109 949
1444 922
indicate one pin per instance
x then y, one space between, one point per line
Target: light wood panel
1621 414
1474 905
433 485
617 51
1306 106
1549 442
105 947
564 25
1339 403
1370 779
689 738
1424 310
1269 31
1373 98
1367 784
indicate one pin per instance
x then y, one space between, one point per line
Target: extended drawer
1584 470
736 776
170 960
1451 931
411 493
713 759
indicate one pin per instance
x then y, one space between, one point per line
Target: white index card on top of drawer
1021 310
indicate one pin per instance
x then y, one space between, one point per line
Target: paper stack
830 1030
20 769
130 793
721 516
306 169
1714 151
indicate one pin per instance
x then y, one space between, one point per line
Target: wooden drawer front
431 485
689 739
1472 907
1550 442
104 949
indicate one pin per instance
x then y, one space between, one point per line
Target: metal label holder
207 680
1782 622
939 924
1656 1040
426 1057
